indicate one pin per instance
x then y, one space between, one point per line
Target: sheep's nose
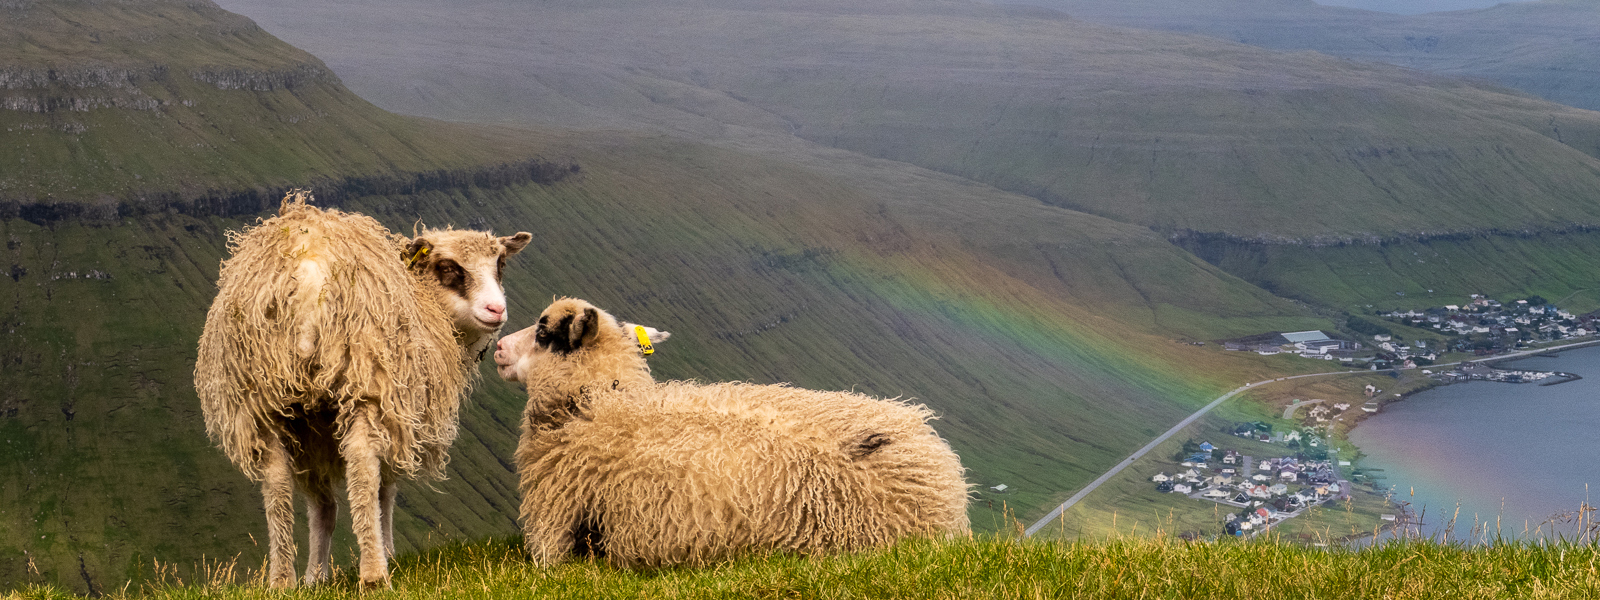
500 345
498 310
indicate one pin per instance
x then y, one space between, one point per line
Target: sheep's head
574 345
468 266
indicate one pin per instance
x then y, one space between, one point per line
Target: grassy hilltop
1044 337
1162 567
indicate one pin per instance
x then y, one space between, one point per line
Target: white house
1160 477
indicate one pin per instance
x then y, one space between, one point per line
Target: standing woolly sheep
337 350
681 473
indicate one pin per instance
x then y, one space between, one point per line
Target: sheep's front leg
277 493
386 495
363 468
320 513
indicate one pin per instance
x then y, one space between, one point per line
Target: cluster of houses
1309 437
1270 491
1514 321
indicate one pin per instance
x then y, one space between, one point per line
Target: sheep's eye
500 268
451 276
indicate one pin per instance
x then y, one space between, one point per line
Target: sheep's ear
584 329
515 243
416 252
656 336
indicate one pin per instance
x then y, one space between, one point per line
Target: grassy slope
765 272
988 568
292 120
1543 48
1048 351
1166 131
1175 132
1560 267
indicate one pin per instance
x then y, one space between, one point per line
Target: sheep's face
468 266
566 330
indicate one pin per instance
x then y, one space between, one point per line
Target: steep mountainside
1546 48
1173 132
1239 150
1044 337
130 107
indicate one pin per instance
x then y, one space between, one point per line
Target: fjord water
1519 453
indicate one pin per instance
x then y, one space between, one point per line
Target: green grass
985 567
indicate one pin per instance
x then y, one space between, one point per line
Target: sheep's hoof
373 585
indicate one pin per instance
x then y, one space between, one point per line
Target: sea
1487 461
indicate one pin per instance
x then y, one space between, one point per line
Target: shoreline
1407 517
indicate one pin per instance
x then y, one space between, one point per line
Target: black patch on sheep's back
868 445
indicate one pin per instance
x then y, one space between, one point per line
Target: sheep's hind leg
277 493
549 541
386 496
363 479
320 513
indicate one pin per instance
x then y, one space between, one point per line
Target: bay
1506 459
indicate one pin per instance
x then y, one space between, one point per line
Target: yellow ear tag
416 257
644 340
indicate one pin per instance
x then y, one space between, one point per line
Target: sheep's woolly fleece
315 305
683 473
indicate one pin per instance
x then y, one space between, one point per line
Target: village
1481 327
1484 326
1264 493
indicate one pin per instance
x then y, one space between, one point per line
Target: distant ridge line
331 192
1191 239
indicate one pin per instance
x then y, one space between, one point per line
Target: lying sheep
336 350
653 474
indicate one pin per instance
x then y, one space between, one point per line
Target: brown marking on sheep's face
469 266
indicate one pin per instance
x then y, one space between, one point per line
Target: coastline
1496 363
1407 520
